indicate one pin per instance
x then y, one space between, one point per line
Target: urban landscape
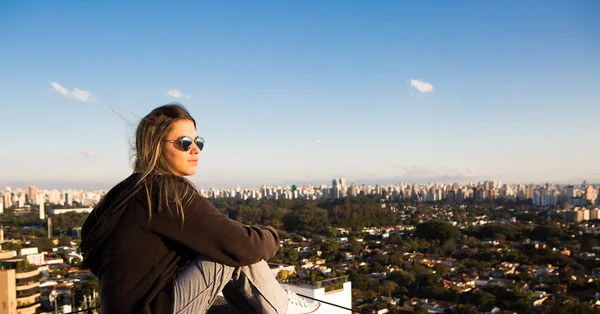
483 247
322 157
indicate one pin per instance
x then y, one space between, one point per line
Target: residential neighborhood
365 253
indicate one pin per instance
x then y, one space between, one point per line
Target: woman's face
183 162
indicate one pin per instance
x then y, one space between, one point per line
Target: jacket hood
103 219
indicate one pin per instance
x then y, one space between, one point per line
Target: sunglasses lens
200 143
186 143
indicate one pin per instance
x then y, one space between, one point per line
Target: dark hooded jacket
137 257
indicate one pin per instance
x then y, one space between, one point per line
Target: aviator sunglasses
186 142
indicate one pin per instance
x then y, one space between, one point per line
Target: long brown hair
157 176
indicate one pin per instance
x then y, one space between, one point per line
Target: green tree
426 282
588 241
84 288
290 256
484 298
465 309
396 259
402 278
359 281
388 287
11 246
307 219
547 232
43 244
62 255
437 230
563 304
64 241
515 299
441 269
24 266
283 275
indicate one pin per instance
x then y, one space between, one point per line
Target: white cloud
421 86
470 173
317 141
75 94
177 94
90 153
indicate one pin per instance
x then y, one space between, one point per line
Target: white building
35 259
77 210
42 211
545 197
28 251
32 256
595 213
586 214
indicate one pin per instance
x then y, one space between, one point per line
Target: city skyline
540 195
303 92
317 184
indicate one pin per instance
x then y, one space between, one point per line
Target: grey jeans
247 289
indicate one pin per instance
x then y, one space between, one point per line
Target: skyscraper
353 191
42 211
591 194
19 289
49 222
32 193
69 198
338 187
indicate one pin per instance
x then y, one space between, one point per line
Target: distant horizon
82 185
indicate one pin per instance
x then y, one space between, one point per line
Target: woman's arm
212 234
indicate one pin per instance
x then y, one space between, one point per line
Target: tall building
69 198
595 213
353 191
339 188
591 194
488 185
49 222
19 285
545 197
7 199
574 216
570 193
479 195
42 211
8 292
32 193
529 192
451 196
586 214
460 195
21 201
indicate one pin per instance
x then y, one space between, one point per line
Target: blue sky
304 91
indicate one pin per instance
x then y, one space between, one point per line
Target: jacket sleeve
212 234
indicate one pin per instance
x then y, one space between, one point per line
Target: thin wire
341 307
